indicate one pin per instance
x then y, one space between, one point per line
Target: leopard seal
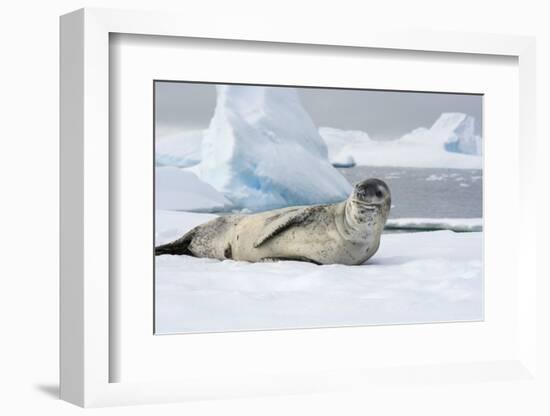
343 233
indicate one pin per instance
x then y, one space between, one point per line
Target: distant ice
449 143
178 189
414 277
434 177
271 122
454 224
343 144
263 151
344 161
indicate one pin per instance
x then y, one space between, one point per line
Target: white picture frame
86 355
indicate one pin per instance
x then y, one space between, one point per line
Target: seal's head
369 204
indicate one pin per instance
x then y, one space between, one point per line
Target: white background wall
29 204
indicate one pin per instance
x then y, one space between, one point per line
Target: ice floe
414 277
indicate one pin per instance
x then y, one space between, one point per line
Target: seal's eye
379 193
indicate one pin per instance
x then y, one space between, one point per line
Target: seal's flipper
281 222
179 246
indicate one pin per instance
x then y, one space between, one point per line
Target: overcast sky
382 114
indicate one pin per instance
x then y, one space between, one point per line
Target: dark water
427 193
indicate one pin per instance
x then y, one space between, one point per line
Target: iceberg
181 150
452 132
449 143
461 137
181 190
262 151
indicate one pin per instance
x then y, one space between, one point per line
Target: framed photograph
370 218
266 213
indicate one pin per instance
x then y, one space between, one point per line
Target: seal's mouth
367 205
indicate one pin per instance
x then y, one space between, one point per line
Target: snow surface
449 143
177 189
263 151
454 224
181 150
414 277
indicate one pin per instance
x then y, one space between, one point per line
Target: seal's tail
179 246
